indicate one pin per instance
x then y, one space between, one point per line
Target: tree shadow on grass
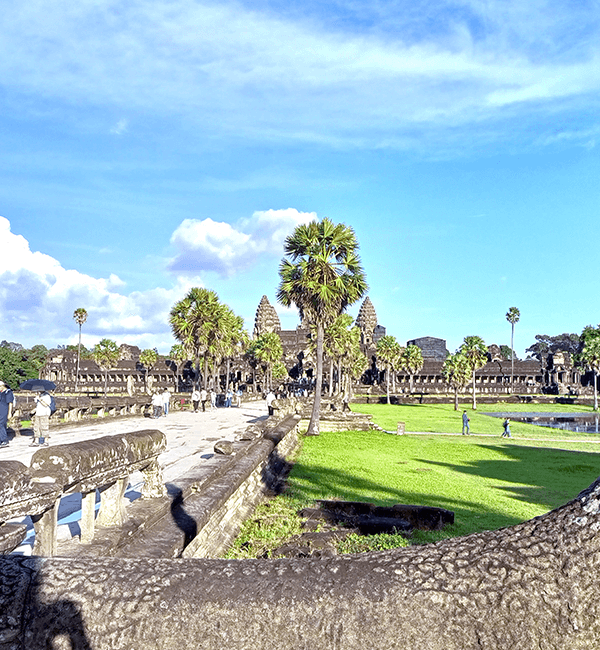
542 476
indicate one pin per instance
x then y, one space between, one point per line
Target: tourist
270 400
203 398
213 400
506 425
238 397
465 420
228 397
41 420
7 400
166 402
196 400
157 402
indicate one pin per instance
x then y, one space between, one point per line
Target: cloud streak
249 73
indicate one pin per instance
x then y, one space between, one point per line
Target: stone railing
534 585
104 464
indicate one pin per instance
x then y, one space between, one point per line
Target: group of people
161 401
200 397
466 429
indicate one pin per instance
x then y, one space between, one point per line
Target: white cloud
120 127
38 297
207 245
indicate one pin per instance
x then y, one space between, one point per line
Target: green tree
106 354
512 316
148 359
590 357
411 359
456 373
321 275
388 352
193 323
80 315
473 348
268 351
178 356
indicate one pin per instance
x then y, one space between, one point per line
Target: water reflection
577 422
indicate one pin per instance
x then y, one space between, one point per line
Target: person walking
213 400
166 402
238 397
465 421
196 400
270 399
41 420
506 425
7 401
228 397
157 403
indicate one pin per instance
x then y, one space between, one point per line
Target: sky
147 147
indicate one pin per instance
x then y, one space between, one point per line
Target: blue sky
152 146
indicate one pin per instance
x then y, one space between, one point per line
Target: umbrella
38 385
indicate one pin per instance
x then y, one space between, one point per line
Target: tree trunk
387 376
78 358
412 383
595 391
456 398
330 377
474 398
512 359
313 426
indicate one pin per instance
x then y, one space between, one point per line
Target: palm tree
106 354
321 274
473 348
456 373
512 316
268 351
591 358
178 355
388 351
411 360
192 321
80 315
148 359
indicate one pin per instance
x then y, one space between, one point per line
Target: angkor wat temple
555 373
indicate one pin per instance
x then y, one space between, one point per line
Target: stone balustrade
104 464
533 585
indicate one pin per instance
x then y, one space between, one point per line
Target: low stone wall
104 464
530 586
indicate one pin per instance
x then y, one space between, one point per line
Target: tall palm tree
473 348
192 321
512 316
321 274
106 354
591 358
268 351
148 359
456 373
80 315
411 359
388 351
178 355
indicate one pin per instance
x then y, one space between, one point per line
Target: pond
577 422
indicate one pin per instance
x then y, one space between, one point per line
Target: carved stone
266 319
534 585
366 321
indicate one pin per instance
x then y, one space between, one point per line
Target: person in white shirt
41 420
166 401
195 399
157 402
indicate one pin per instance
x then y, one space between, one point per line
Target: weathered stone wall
534 585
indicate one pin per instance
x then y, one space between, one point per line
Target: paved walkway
190 436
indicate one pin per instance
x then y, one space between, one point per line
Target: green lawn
442 418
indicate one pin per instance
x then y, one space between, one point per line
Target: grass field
489 482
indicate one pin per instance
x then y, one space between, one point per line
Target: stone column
88 515
153 481
112 504
45 526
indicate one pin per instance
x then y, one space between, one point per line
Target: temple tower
366 321
266 319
